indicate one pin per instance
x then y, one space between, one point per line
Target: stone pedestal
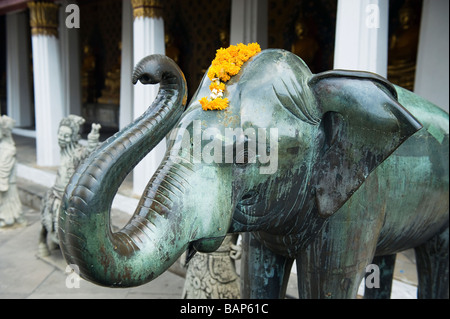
213 275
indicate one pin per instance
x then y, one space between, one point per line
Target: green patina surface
349 167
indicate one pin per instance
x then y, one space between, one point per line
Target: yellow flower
204 102
216 104
226 64
220 86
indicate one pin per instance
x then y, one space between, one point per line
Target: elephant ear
362 124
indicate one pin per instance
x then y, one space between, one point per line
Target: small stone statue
213 275
71 154
10 205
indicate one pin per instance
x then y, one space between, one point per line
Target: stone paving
24 275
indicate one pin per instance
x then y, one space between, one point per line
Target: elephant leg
264 274
328 275
333 264
432 267
386 265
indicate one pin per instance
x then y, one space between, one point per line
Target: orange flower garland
227 63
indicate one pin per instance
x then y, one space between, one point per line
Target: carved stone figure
10 205
329 169
71 154
213 275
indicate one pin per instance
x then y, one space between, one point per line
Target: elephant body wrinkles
397 184
359 171
379 233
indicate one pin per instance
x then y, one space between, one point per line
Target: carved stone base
213 275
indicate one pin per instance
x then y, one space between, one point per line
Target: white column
70 63
249 22
19 97
362 35
126 66
432 79
148 38
49 109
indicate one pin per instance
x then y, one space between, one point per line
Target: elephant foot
43 250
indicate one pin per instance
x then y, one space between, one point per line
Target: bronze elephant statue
331 170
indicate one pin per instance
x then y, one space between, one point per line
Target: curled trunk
125 258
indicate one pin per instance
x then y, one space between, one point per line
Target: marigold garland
227 63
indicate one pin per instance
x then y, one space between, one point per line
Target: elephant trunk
131 256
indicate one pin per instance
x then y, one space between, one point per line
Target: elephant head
268 163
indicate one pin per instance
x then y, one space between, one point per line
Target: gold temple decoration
147 8
402 54
88 75
43 18
111 91
172 51
304 45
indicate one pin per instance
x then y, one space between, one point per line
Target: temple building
76 57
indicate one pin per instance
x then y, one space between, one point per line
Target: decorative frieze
43 18
147 8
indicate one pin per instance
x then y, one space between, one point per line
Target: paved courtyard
23 275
